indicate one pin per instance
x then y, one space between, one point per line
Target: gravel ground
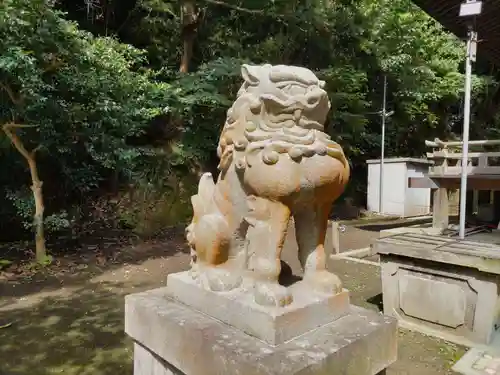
73 324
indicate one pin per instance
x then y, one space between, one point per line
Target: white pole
382 151
471 40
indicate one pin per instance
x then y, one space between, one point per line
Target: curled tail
207 234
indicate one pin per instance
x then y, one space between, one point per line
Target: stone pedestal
182 329
237 308
442 286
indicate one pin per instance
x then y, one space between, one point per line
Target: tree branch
234 7
16 141
37 148
10 94
36 187
12 125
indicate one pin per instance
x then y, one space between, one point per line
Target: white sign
471 8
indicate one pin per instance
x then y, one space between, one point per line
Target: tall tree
68 102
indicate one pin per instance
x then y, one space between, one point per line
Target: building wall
394 188
399 199
418 201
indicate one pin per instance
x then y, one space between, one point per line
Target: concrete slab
185 341
423 230
478 362
274 325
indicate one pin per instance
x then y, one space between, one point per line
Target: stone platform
173 338
441 286
478 362
309 309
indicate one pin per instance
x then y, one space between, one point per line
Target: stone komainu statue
275 162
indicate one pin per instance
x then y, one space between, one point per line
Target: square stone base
453 303
172 338
274 325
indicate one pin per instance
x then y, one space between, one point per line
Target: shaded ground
72 323
417 354
356 238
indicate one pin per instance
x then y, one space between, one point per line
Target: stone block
478 362
425 231
148 363
172 338
274 325
441 287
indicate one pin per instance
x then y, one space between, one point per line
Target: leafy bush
70 100
117 132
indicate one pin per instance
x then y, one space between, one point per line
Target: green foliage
24 205
148 208
75 88
45 261
57 221
92 95
4 263
160 197
84 96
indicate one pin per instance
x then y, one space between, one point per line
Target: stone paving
487 364
478 362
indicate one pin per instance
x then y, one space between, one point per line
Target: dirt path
356 238
73 324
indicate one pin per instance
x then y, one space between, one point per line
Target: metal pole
382 150
471 44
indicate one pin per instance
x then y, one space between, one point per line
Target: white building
398 198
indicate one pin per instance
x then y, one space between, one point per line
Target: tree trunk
187 52
191 16
36 188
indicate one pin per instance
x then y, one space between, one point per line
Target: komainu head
279 109
283 89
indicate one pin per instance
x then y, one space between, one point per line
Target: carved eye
295 89
313 100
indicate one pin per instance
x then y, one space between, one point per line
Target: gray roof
487 24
